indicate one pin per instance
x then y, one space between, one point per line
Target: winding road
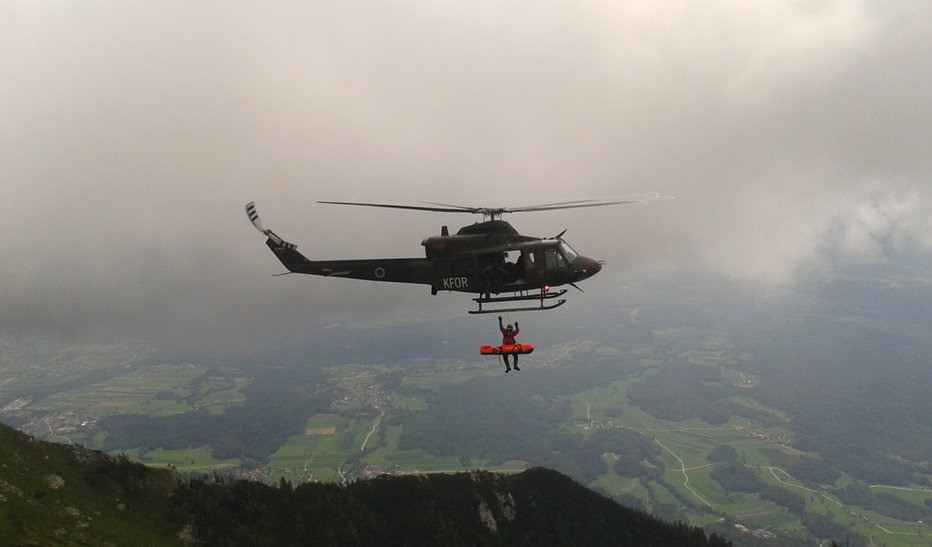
374 427
685 474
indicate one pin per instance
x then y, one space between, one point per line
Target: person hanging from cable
508 339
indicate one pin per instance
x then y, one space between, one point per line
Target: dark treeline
856 391
96 499
496 420
277 406
791 501
679 392
536 507
812 470
859 493
723 453
484 418
737 477
823 527
855 394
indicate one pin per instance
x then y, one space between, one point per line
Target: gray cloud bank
131 135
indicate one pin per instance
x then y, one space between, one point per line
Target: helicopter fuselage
486 258
477 259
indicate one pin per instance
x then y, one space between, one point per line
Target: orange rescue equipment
508 349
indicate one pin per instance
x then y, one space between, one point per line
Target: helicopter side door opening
499 274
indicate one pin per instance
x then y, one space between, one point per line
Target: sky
794 136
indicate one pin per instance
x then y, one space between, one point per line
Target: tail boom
396 270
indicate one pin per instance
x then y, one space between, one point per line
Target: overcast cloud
132 134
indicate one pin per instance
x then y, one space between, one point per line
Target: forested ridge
536 507
55 494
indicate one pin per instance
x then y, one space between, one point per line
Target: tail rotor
254 218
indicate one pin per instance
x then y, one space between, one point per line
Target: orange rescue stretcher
508 349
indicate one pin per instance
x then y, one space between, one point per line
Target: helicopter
473 260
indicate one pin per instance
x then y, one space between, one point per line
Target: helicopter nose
590 266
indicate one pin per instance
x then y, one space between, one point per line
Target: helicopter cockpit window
554 258
568 252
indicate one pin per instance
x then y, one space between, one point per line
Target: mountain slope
55 494
52 494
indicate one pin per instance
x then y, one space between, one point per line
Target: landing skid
542 298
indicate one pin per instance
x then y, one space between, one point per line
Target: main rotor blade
495 212
458 207
619 200
554 207
507 209
394 206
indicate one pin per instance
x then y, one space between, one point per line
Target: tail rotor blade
254 217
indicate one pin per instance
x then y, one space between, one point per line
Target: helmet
510 327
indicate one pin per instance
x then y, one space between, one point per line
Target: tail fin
275 238
286 252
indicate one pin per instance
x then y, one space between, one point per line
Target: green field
361 434
689 444
134 390
197 460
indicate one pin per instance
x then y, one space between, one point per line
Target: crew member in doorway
508 339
